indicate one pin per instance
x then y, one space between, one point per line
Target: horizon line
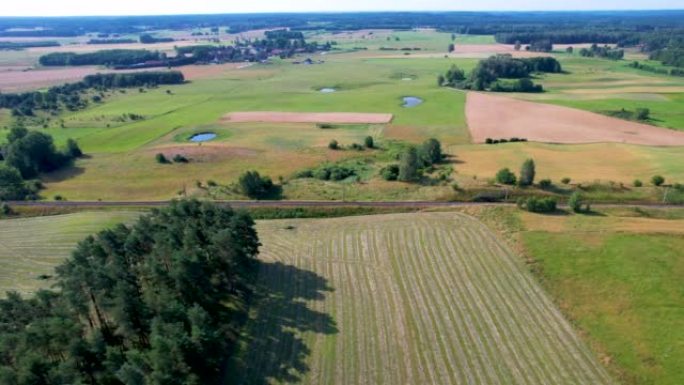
353 12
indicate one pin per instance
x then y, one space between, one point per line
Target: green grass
624 291
32 247
402 298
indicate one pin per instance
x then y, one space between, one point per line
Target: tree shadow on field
274 349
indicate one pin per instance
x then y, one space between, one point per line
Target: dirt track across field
497 117
308 117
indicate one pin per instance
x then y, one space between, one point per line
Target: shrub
489 141
333 145
540 205
657 180
638 183
178 158
390 172
324 125
368 142
12 186
161 158
72 149
211 183
254 185
356 146
566 180
575 202
5 209
505 176
545 183
643 113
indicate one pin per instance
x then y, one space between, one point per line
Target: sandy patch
19 80
493 116
307 117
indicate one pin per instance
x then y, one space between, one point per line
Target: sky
158 7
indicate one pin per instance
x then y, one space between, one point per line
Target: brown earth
308 117
25 79
493 116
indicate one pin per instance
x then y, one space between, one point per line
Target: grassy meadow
120 164
617 275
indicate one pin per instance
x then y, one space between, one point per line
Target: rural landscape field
394 196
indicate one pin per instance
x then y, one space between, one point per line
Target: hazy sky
156 7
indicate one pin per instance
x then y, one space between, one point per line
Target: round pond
203 137
412 101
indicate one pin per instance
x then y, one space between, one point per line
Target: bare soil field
24 79
492 116
307 117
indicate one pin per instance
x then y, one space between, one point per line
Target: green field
417 298
32 247
121 165
618 277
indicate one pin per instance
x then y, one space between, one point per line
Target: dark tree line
146 38
110 57
111 41
72 96
158 302
16 46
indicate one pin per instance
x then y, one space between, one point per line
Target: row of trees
73 96
158 302
108 57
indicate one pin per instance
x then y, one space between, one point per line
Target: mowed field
432 298
32 247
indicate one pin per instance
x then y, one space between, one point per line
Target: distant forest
659 33
480 23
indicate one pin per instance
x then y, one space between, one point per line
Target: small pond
328 90
203 137
412 101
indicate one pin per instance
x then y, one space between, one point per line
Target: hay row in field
308 117
497 117
428 298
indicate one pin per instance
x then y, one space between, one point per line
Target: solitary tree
575 202
333 145
254 185
368 142
527 173
430 152
408 165
657 180
505 176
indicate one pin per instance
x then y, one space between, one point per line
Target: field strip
430 298
307 117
